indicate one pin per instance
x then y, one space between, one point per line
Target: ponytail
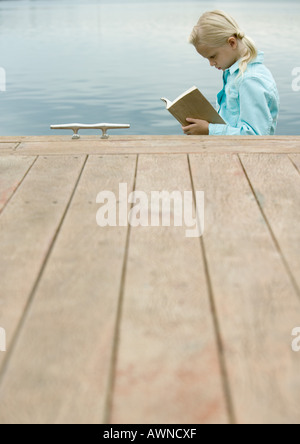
251 53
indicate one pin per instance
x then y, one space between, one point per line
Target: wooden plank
295 158
257 306
61 363
7 148
276 184
12 171
160 145
94 135
168 369
27 228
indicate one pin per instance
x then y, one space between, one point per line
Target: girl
249 100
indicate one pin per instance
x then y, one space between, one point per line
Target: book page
167 101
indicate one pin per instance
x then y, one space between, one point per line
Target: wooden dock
142 324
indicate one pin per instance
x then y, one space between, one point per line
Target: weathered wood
142 324
276 184
295 158
159 145
168 369
257 306
54 137
27 228
7 148
61 363
12 172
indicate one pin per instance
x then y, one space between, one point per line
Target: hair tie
240 34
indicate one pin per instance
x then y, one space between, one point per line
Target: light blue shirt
249 104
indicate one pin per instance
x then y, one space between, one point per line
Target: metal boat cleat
104 127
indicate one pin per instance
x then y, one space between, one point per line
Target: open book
192 104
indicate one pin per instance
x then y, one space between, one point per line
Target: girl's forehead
206 51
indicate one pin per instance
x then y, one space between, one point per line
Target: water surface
95 61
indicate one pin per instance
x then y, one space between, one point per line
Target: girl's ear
232 41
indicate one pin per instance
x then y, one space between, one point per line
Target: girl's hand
198 127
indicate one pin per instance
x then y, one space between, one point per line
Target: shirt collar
235 66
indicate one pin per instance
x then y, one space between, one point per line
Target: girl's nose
212 63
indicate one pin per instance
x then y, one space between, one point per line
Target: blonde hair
214 28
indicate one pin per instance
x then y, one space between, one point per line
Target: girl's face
222 57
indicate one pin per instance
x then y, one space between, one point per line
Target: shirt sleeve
255 115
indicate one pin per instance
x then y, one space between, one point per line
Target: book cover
192 104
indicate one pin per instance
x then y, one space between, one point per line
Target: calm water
93 61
